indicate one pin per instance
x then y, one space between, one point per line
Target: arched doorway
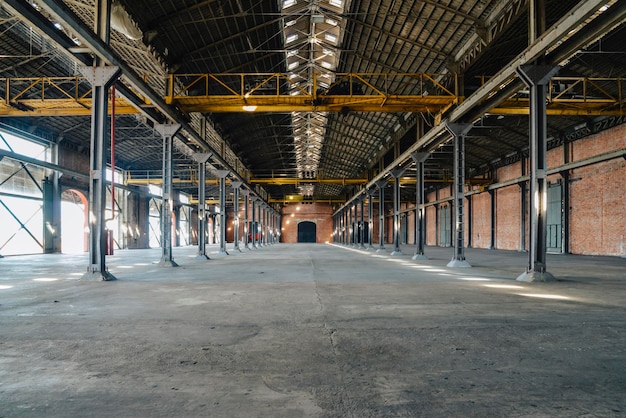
307 231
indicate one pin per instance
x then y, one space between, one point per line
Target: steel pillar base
98 276
419 257
458 263
536 276
396 252
202 257
370 248
222 253
167 263
381 250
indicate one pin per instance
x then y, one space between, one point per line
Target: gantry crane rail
280 92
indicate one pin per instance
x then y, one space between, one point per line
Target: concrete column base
458 263
202 257
396 252
381 250
536 276
98 276
167 263
419 257
222 253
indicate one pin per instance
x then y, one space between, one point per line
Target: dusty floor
312 331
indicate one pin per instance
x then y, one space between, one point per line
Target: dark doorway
307 231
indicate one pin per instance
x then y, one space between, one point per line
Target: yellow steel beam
284 181
280 92
375 92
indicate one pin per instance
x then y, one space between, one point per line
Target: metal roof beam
552 38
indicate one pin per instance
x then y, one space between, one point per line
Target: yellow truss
277 92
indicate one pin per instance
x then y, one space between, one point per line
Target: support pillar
536 78
362 224
261 226
355 226
458 131
202 158
381 215
350 226
254 229
396 173
345 230
236 185
246 223
420 218
370 218
167 205
222 174
101 78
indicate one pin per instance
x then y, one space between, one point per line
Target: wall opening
74 222
307 231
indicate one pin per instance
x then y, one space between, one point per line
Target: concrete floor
312 330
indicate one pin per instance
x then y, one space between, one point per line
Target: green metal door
554 231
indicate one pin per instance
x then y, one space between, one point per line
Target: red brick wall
319 213
597 201
598 209
507 218
481 224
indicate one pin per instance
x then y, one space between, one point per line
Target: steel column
362 225
222 174
101 79
354 224
381 214
246 224
536 78
420 230
346 229
255 228
370 218
202 158
236 186
396 173
458 131
167 131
